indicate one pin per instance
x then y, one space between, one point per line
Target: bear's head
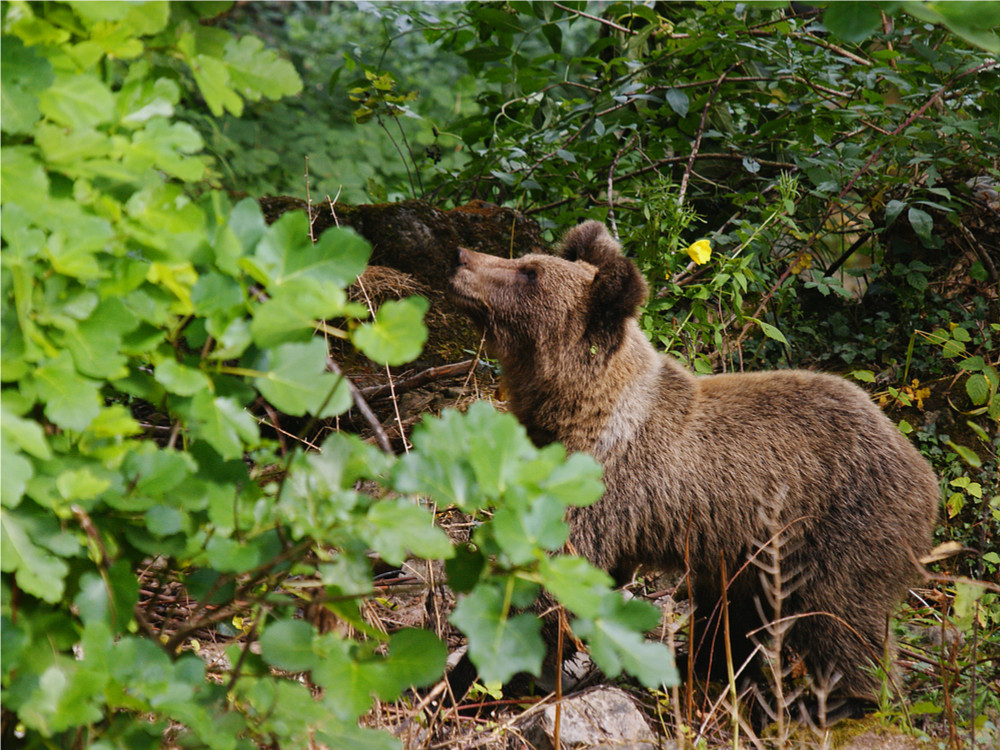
543 303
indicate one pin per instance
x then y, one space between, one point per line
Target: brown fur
714 462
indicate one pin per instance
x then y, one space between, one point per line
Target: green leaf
256 71
772 333
497 448
70 400
16 471
615 646
499 645
297 383
212 77
286 253
167 146
923 225
37 571
576 482
523 532
678 101
288 644
465 568
966 454
223 423
78 101
27 433
95 343
974 22
416 659
398 334
865 376
293 311
398 526
141 100
893 209
852 22
978 389
25 75
232 556
577 584
180 379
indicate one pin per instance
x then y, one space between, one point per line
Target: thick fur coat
708 469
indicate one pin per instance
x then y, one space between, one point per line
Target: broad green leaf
162 520
350 684
38 572
81 485
398 334
95 343
497 447
247 223
499 645
576 482
256 71
975 22
398 526
16 471
27 433
348 734
212 77
217 294
436 468
25 75
852 22
111 599
78 101
966 454
223 423
416 658
141 100
20 168
168 147
232 556
577 584
614 646
293 311
923 225
285 253
772 333
978 388
181 379
522 532
296 381
70 400
678 101
288 644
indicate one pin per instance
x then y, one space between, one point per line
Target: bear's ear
618 288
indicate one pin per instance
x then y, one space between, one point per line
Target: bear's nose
463 256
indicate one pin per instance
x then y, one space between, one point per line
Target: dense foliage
145 320
832 165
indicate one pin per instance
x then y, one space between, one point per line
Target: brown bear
708 468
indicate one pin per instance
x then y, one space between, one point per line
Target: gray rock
603 717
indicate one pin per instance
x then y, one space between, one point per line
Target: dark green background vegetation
842 161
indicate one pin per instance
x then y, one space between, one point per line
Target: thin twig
415 381
366 411
697 141
388 372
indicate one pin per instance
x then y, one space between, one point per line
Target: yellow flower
700 251
801 264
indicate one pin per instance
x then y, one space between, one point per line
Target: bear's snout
462 257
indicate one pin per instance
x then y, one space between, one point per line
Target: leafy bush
146 323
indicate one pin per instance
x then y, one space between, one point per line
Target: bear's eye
527 273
